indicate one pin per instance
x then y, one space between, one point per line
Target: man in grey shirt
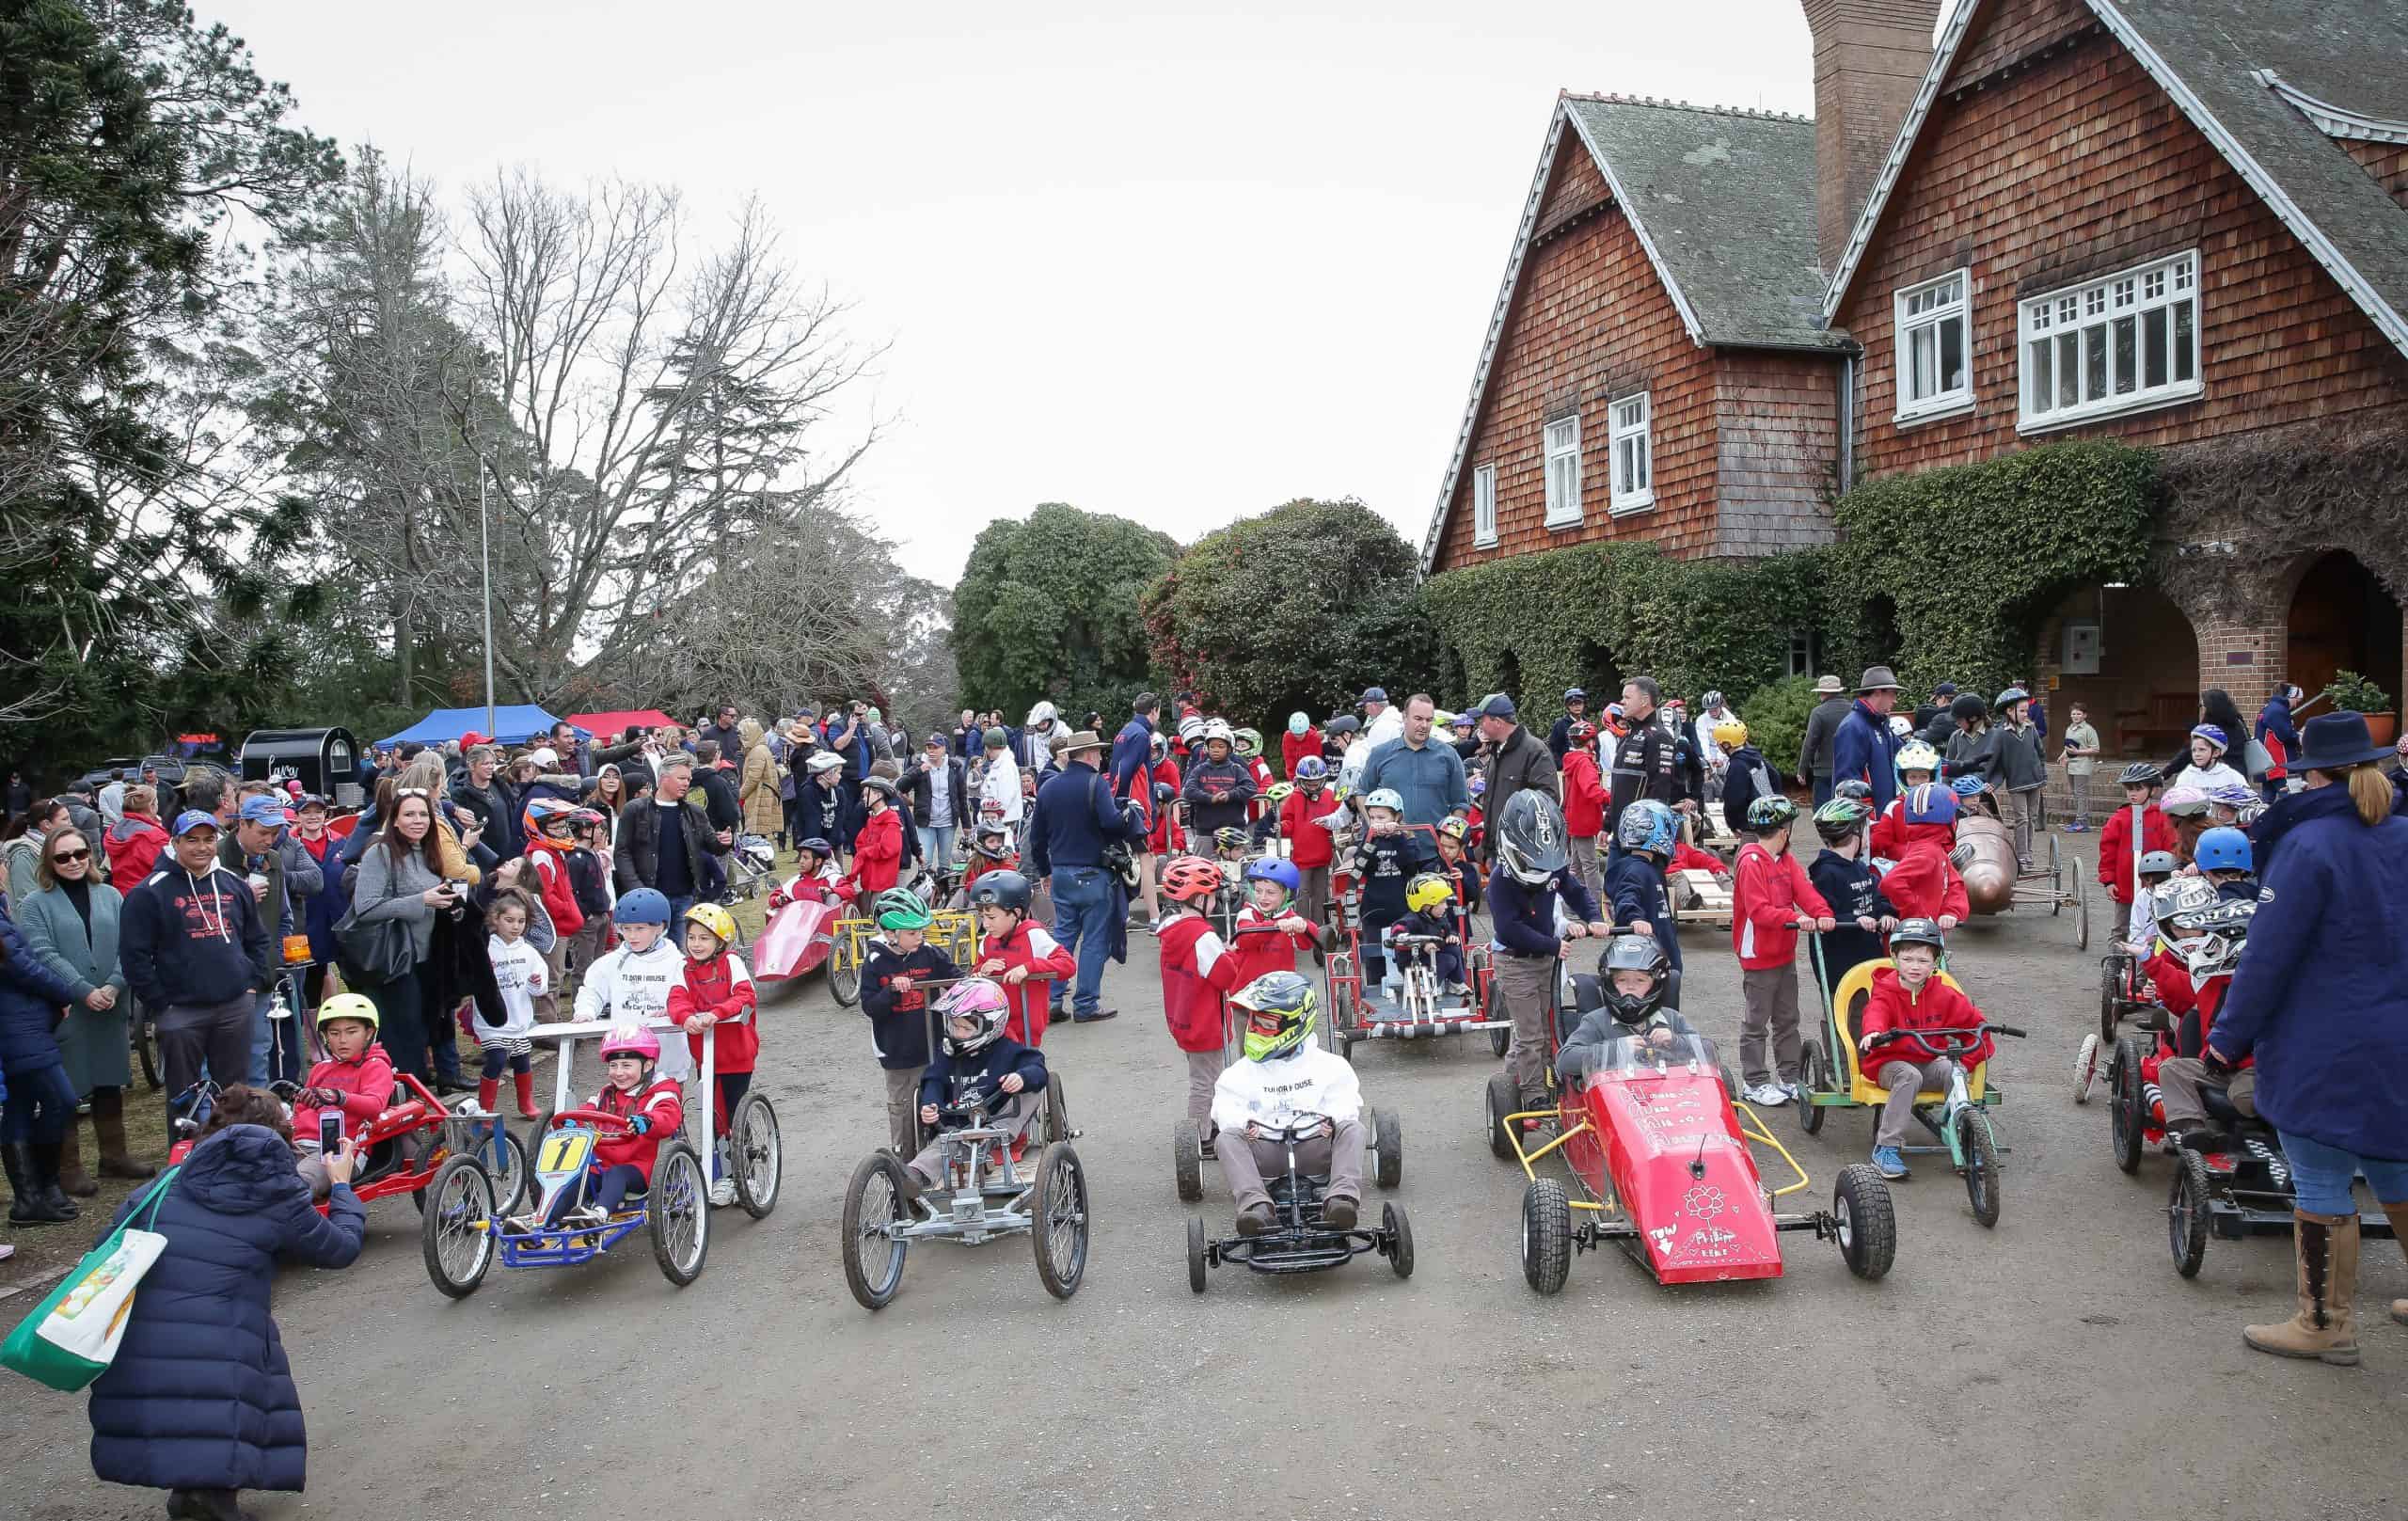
1815 755
1428 776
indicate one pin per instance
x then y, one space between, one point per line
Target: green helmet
899 908
1278 1008
1840 818
1769 813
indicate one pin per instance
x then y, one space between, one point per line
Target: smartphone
329 1132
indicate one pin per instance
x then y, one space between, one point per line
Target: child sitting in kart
1388 857
1637 977
1908 998
1016 952
654 1111
1894 831
1636 895
354 1080
815 876
1430 910
1230 845
1925 883
1860 911
2140 929
2210 940
2224 857
975 1059
1456 866
717 992
992 852
1270 932
895 996
1286 1075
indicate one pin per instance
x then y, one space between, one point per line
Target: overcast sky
1177 266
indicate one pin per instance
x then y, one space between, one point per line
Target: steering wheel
599 1119
1304 1127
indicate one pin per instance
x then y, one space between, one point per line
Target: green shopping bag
72 1337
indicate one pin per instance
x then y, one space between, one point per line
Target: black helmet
1919 933
1855 789
1533 844
1966 705
2140 774
1633 953
1343 724
1001 889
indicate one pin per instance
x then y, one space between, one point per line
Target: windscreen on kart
1637 1055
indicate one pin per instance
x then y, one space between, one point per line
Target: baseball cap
546 756
257 811
193 818
934 742
1373 694
1496 706
309 799
472 738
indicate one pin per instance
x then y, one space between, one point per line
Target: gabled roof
1723 202
2223 63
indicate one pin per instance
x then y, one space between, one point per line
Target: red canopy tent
602 725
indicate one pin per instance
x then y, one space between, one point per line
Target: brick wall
1777 427
1870 57
1590 322
2386 162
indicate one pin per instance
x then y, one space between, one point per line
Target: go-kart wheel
456 1234
1400 1230
146 1049
2127 1105
680 1213
2186 1214
1501 1099
2085 1067
1187 1160
2080 915
1546 1235
1817 1068
1868 1228
2111 997
844 973
1501 1040
1388 1150
1974 1137
515 1178
1197 1263
873 1203
1057 1206
2056 880
758 1155
1058 1109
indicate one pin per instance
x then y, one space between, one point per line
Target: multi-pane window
1484 505
2130 340
1935 369
1562 441
1634 455
1802 652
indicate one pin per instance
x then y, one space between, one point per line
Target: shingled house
2180 222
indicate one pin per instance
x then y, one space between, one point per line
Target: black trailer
327 761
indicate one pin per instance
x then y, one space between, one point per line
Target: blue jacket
1864 747
2275 719
31 996
1524 917
201 1395
2322 996
1076 817
1430 780
950 1078
1133 762
1635 891
192 940
1854 892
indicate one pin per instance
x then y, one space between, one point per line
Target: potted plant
2352 693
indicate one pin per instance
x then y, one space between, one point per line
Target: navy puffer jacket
201 1395
31 996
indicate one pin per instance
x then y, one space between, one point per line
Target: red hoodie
2115 847
1198 972
877 854
660 1102
1308 843
1686 857
1893 836
134 847
366 1085
1926 886
1293 749
719 986
1032 946
1584 795
1260 949
549 859
1770 893
1158 837
1939 1006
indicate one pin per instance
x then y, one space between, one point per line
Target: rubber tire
674 1158
2080 915
2056 878
1980 1145
1388 1148
1861 1200
1187 1160
430 1226
844 977
1198 1270
525 1174
2125 1123
2085 1067
1501 1099
1501 1040
1058 1168
1546 1235
1058 1109
146 1050
1392 1218
542 1122
2111 997
758 1206
2186 1219
1817 1068
870 1295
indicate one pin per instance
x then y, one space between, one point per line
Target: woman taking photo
199 1400
400 879
70 922
2321 1001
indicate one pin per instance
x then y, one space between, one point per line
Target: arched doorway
1601 674
1509 679
2128 656
2341 619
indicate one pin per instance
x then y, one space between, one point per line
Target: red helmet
1190 880
542 813
1580 733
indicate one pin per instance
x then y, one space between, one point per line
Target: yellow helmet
1730 733
715 919
1427 891
348 1007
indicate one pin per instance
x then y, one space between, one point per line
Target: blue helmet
2224 849
645 906
1271 870
1967 786
1646 825
1929 804
1312 768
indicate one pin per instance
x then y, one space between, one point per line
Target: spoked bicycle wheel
757 1155
844 972
1059 1206
1981 1165
456 1233
680 1214
873 1207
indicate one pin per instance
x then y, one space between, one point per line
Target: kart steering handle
1307 1127
592 1117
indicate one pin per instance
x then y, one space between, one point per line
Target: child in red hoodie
1198 972
2116 853
1270 933
1907 999
1310 847
355 1082
717 994
1016 953
1584 802
1771 900
877 850
551 835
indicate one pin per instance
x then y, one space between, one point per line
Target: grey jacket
1521 762
2017 764
1815 755
385 891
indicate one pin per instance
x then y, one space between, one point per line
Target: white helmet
1219 729
1387 798
823 762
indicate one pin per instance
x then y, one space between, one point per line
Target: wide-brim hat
2334 740
1084 739
1827 687
1876 678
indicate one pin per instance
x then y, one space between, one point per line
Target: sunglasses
65 856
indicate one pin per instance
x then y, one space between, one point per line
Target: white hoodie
629 986
1273 1093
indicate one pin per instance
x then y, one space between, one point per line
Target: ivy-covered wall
1944 574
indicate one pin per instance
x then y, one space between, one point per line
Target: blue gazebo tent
511 725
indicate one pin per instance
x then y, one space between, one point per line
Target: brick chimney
1869 60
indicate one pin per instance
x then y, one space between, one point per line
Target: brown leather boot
2398 1215
71 1176
2326 1249
108 1127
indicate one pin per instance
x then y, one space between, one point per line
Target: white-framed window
1802 652
1634 454
1484 505
2115 345
1563 471
1935 346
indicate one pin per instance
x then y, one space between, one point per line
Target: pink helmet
631 1040
978 998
